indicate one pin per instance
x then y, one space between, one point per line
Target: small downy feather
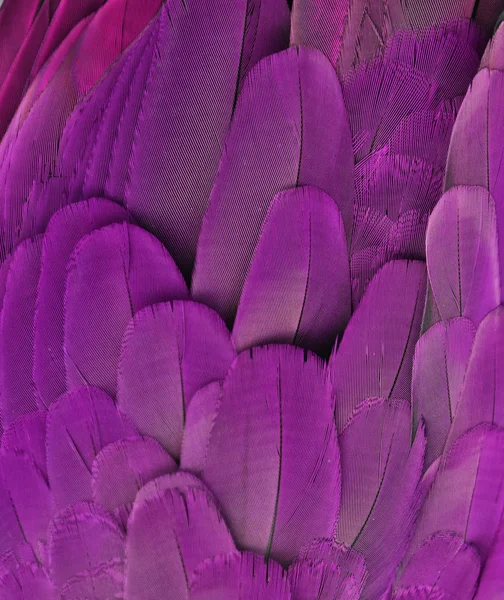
122 468
297 289
63 232
482 398
17 392
474 468
439 367
79 424
374 358
325 570
114 272
272 457
170 532
462 254
300 136
81 537
169 352
241 576
445 563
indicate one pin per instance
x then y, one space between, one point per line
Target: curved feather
493 59
374 445
325 570
475 469
102 582
374 358
272 457
240 576
297 288
169 533
188 347
79 424
445 563
301 137
64 231
482 397
490 584
439 367
462 254
28 435
27 582
475 153
17 393
114 272
383 539
81 537
122 468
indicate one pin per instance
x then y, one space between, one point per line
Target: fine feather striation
439 367
113 273
374 358
297 133
297 288
276 477
168 353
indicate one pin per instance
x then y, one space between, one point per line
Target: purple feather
102 582
122 468
439 368
17 392
490 584
462 254
81 537
300 137
297 289
374 358
170 531
169 351
79 425
272 456
27 582
325 570
474 468
114 272
241 577
482 398
64 231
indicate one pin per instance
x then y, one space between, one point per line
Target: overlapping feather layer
225 369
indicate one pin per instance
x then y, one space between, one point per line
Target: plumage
374 358
281 463
27 582
113 273
64 231
462 254
81 537
490 584
301 138
445 563
324 570
297 288
439 367
241 576
122 468
473 467
17 394
170 532
482 397
169 351
80 424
